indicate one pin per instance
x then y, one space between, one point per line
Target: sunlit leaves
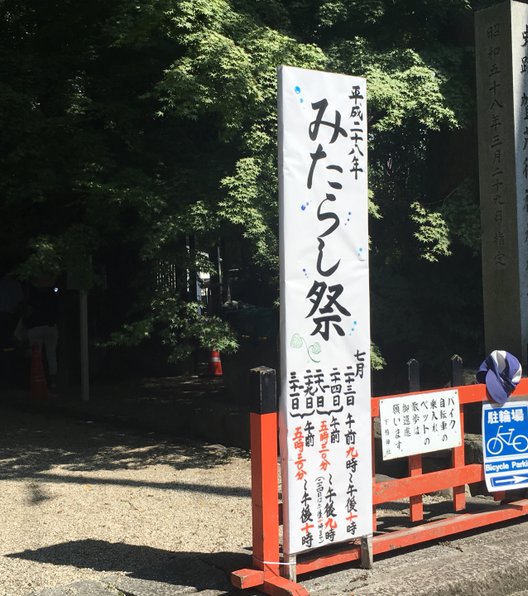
431 231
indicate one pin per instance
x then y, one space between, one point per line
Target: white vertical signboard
325 424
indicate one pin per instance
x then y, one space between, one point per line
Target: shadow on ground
33 447
201 571
182 407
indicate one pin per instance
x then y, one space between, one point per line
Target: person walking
41 321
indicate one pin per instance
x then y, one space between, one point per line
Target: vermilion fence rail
267 564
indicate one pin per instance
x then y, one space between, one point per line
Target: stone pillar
501 41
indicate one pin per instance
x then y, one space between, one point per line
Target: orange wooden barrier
266 573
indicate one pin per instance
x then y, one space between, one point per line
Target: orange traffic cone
39 385
215 364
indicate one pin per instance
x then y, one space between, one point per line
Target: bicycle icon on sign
497 443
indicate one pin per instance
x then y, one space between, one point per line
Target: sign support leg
290 567
458 461
416 502
367 554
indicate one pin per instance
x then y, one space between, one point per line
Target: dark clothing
8 323
43 307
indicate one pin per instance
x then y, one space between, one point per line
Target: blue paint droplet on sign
297 89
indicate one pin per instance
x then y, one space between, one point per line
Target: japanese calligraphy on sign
520 118
325 424
502 98
496 122
419 423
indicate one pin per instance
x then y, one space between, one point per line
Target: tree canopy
144 135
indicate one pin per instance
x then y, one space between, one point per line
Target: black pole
413 374
263 390
457 378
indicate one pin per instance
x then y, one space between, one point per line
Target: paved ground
100 500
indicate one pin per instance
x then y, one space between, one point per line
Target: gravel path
80 500
88 509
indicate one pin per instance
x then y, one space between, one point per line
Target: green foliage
432 232
404 90
377 362
70 252
45 258
181 325
414 92
418 62
146 132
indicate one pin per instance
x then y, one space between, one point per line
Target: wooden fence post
264 481
415 461
457 454
265 573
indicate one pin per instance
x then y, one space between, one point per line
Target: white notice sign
420 423
325 423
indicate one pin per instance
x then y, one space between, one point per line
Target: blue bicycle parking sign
505 445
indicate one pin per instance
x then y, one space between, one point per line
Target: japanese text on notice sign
420 423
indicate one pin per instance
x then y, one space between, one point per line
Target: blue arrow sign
507 480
